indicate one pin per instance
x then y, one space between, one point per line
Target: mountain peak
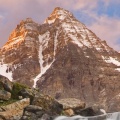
58 8
58 13
26 30
27 20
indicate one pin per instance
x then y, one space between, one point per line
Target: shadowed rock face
64 59
74 75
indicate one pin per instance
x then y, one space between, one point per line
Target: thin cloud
108 29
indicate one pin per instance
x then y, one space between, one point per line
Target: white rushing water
107 116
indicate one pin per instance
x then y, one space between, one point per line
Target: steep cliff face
18 57
63 58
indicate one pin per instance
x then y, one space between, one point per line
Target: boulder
33 112
49 104
69 112
15 110
20 91
90 111
4 95
27 93
72 103
86 112
5 84
33 108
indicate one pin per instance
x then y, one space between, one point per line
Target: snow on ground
50 21
113 61
28 27
75 40
106 47
3 71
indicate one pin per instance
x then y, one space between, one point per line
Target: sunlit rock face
63 58
19 56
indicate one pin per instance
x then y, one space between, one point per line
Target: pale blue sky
101 16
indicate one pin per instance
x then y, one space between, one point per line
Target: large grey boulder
4 95
72 103
5 84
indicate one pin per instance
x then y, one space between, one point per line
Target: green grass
17 87
8 102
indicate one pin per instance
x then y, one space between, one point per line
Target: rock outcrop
36 106
5 88
72 103
14 111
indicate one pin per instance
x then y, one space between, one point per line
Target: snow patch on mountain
106 47
50 21
43 69
44 39
5 72
55 43
111 60
118 69
77 31
75 40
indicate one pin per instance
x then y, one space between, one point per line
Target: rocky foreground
63 59
20 102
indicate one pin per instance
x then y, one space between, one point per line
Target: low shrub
17 87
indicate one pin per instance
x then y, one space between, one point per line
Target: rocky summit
64 59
